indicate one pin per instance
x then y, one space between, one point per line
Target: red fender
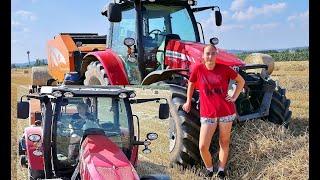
185 54
35 160
113 65
102 159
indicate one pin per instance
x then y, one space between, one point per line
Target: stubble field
259 149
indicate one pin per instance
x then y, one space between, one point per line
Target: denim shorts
224 119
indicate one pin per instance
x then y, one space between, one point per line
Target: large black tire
96 75
155 177
35 174
279 112
184 130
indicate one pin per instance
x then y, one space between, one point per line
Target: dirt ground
259 149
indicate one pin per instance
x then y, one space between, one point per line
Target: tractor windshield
80 114
160 22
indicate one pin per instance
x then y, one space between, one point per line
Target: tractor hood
182 54
101 159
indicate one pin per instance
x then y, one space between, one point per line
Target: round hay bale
260 58
40 76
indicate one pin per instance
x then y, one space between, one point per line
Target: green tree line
287 55
38 62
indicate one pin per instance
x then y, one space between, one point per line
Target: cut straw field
259 149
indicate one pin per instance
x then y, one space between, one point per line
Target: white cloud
229 27
225 15
14 41
25 29
252 12
237 5
207 23
301 16
264 26
26 15
15 23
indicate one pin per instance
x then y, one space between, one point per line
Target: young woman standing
217 108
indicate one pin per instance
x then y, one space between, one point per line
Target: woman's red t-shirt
213 88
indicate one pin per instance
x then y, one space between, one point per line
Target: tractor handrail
253 66
137 101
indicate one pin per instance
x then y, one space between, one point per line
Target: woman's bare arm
240 83
187 106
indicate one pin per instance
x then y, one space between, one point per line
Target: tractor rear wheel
96 75
279 112
184 130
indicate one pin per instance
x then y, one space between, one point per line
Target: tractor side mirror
23 110
114 12
164 111
218 18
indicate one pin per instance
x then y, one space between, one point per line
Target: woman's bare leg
206 133
224 141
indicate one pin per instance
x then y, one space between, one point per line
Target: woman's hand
186 106
231 99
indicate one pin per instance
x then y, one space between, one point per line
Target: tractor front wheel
96 75
184 129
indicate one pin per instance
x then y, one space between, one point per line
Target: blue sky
247 24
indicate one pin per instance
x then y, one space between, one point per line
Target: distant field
259 150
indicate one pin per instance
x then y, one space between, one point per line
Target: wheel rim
172 135
94 81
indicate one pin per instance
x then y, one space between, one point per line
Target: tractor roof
79 91
168 2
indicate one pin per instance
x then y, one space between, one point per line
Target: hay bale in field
40 76
25 71
260 58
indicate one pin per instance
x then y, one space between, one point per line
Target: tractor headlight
68 94
192 2
123 95
34 137
214 41
132 95
57 93
132 59
146 151
129 42
152 136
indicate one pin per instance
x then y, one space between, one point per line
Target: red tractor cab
84 132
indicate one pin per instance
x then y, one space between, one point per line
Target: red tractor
158 41
103 145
